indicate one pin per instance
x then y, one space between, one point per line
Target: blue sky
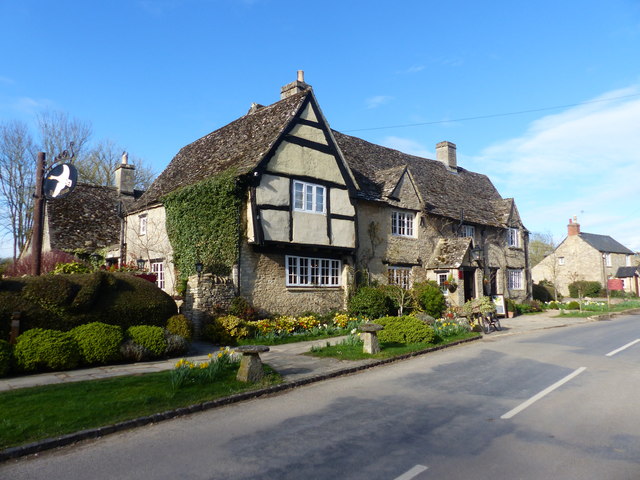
155 75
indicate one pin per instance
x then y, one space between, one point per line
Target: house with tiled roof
320 209
583 256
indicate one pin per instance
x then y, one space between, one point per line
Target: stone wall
207 294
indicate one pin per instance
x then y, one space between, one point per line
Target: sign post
38 217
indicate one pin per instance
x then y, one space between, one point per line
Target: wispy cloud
375 102
6 80
29 106
412 69
583 161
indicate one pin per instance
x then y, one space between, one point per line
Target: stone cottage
582 256
319 208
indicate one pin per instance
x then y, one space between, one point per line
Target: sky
543 97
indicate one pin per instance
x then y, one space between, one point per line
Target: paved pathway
286 359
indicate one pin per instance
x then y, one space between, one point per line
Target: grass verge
289 338
36 413
388 350
590 311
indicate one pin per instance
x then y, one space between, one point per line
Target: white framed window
468 231
312 272
628 261
402 223
607 259
157 267
514 279
560 260
400 276
143 224
308 197
441 279
513 237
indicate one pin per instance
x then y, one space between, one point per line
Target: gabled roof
445 193
604 243
241 144
87 218
627 272
449 253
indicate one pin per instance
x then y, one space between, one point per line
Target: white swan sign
60 181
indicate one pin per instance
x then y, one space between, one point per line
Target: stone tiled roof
241 144
87 218
449 253
626 272
445 193
604 243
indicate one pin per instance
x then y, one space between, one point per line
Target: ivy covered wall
203 224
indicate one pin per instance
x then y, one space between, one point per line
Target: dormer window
513 237
468 231
308 197
402 224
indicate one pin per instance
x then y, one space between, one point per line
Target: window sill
312 288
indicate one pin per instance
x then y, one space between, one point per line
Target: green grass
36 413
388 350
589 310
280 340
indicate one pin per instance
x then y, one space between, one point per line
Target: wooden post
15 327
38 217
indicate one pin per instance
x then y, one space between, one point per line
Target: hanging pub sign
60 181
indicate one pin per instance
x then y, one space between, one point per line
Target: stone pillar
370 337
250 365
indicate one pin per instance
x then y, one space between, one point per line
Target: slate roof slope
449 252
87 218
241 144
626 272
446 193
604 243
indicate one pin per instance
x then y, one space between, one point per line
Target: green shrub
98 342
180 325
132 352
149 337
71 268
6 353
406 329
370 302
542 293
226 330
62 302
573 305
584 288
242 308
430 298
40 349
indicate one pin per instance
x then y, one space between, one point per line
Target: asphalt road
556 404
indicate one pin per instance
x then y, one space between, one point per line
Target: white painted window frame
400 276
513 237
515 279
560 260
402 224
309 197
142 228
157 267
312 272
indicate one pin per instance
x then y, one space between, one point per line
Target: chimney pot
574 227
294 87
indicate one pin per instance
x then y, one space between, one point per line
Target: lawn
36 413
601 308
346 351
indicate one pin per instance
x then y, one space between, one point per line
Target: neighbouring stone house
582 256
319 208
89 220
628 280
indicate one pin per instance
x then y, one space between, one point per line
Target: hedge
98 342
40 349
405 329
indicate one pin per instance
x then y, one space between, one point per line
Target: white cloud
585 159
27 105
6 80
375 102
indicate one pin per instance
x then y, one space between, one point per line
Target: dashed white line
543 393
624 347
414 472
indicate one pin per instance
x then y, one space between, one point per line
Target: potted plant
451 284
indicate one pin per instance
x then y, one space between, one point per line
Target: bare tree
541 245
17 168
98 165
58 130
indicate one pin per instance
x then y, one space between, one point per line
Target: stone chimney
294 87
446 153
125 176
574 227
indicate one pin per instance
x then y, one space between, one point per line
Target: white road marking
618 350
543 393
414 472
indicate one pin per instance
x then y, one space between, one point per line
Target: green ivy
203 224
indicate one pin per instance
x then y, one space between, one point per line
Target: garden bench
250 364
370 337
